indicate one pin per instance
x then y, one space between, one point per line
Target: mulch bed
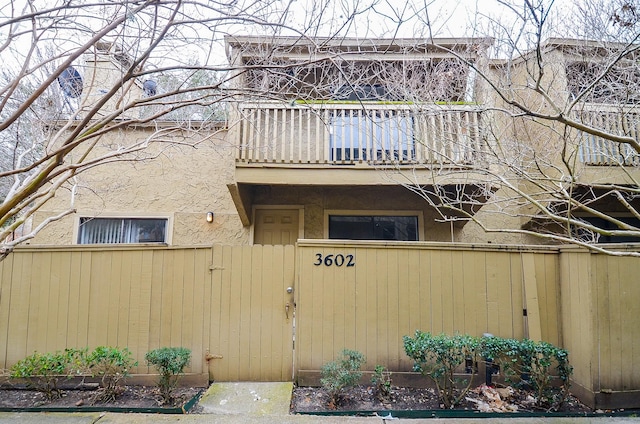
131 398
365 398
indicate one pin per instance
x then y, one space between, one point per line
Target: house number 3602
334 260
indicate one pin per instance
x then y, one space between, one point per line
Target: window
375 227
365 92
122 230
371 135
597 83
587 235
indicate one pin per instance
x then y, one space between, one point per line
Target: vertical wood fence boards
578 316
601 322
249 325
616 293
392 290
141 299
230 301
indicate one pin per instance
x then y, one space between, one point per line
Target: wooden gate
251 334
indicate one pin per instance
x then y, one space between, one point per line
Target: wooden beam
242 201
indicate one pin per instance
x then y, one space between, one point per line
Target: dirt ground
365 398
131 397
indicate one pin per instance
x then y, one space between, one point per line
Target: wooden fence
230 304
601 326
395 289
226 301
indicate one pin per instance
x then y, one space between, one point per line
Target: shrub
529 364
170 362
438 357
345 372
77 361
381 379
44 370
112 365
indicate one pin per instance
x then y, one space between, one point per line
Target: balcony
358 134
606 162
596 151
354 144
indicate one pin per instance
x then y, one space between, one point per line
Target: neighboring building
339 139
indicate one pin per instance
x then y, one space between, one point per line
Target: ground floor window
122 230
373 227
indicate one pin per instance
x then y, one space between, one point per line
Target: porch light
209 217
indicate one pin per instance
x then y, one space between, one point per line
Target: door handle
286 309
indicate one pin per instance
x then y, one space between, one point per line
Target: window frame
385 212
123 216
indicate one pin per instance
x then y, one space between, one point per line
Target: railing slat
275 137
300 132
292 126
251 146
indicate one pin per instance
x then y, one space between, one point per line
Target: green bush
78 361
529 364
170 362
112 366
438 357
345 372
381 380
524 363
43 371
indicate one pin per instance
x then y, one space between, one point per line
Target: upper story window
366 92
122 230
413 80
597 84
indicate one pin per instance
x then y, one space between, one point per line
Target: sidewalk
261 403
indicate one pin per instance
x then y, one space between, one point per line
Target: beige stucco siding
179 181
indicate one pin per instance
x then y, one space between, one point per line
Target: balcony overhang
615 175
359 174
425 181
594 199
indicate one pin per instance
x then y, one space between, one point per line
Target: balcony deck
358 135
620 120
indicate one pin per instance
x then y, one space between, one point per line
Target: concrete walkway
262 403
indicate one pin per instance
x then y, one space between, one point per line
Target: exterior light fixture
209 217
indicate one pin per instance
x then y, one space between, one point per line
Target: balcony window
595 83
373 227
122 230
359 135
367 92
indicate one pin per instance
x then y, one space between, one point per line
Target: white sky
384 19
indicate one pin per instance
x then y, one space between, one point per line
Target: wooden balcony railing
615 120
357 133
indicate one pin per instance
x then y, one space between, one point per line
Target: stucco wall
180 181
